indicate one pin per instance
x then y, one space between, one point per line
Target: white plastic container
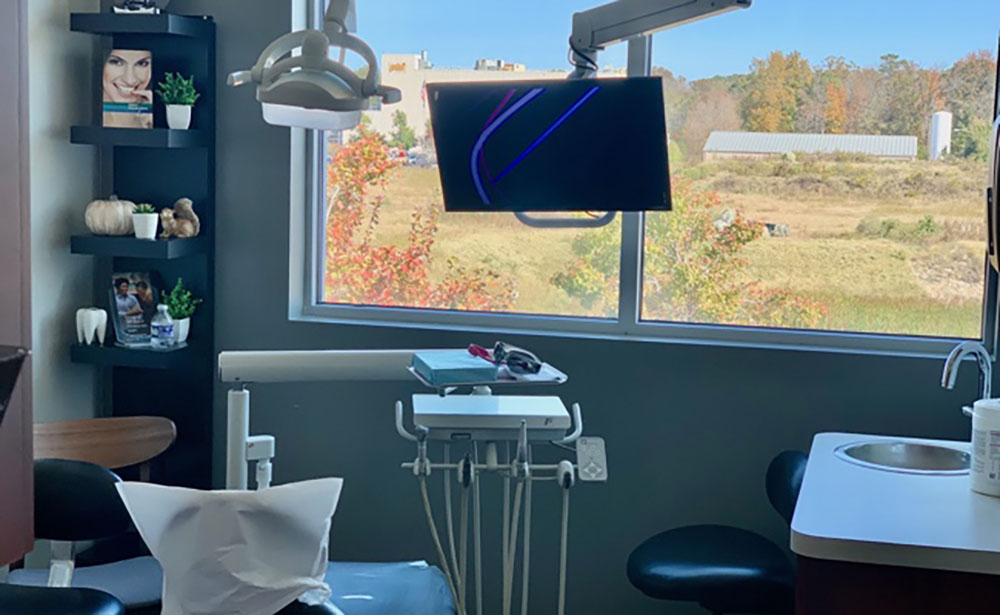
162 329
985 469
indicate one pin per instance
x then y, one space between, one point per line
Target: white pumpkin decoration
110 217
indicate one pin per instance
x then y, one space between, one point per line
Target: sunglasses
517 360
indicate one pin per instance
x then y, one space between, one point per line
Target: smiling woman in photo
128 101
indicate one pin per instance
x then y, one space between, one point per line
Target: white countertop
851 513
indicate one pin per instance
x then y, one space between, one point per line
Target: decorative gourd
110 217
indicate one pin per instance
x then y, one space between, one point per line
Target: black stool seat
20 600
725 569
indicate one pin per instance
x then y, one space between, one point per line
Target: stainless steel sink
905 457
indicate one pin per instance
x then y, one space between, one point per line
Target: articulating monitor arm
618 21
612 23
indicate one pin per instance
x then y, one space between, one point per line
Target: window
828 189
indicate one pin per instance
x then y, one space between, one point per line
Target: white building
411 73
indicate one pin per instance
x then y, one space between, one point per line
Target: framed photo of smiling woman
127 98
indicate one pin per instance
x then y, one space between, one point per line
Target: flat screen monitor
11 359
561 145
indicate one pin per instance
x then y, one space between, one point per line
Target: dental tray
548 375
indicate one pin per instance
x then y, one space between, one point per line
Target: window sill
643 332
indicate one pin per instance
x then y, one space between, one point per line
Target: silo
939 143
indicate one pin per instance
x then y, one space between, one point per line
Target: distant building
939 138
723 145
411 73
486 64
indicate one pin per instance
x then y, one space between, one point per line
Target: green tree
968 89
402 136
694 270
912 95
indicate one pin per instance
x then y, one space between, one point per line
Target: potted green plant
179 95
144 221
181 305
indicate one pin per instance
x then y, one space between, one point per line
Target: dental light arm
308 89
616 22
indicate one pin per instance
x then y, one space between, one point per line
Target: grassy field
892 247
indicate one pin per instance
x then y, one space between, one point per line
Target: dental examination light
619 21
300 85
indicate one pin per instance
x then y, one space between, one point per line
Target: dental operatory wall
690 429
63 180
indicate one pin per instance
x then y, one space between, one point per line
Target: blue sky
535 32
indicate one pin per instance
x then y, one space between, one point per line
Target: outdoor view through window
828 165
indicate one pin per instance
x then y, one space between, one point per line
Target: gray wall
689 429
63 181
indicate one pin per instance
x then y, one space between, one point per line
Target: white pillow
237 552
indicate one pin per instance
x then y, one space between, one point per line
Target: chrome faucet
954 361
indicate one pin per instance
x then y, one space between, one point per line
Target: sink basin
905 457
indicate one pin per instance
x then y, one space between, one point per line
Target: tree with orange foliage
777 87
836 108
359 271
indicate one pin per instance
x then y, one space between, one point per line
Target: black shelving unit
159 166
130 137
129 247
116 356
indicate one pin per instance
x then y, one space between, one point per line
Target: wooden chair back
114 442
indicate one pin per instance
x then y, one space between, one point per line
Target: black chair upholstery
76 500
784 481
18 600
726 570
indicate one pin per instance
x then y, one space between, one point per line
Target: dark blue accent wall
689 429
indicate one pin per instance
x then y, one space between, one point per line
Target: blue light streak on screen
489 132
548 132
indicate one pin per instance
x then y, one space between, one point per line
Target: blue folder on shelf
447 367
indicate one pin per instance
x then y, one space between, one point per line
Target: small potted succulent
181 306
144 221
179 95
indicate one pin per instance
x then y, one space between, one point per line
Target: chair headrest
784 480
77 500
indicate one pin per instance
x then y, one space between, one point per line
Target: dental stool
77 501
20 600
727 570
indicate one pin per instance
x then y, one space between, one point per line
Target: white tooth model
91 324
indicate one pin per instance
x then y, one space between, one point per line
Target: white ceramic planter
182 327
145 225
179 117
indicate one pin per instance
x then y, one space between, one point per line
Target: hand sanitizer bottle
162 329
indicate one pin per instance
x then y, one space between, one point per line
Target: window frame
307 260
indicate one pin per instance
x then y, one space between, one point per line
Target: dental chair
20 600
727 570
77 501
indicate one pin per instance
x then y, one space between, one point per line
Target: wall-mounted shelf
138 137
158 166
130 247
166 23
117 356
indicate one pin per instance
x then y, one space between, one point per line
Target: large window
826 179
